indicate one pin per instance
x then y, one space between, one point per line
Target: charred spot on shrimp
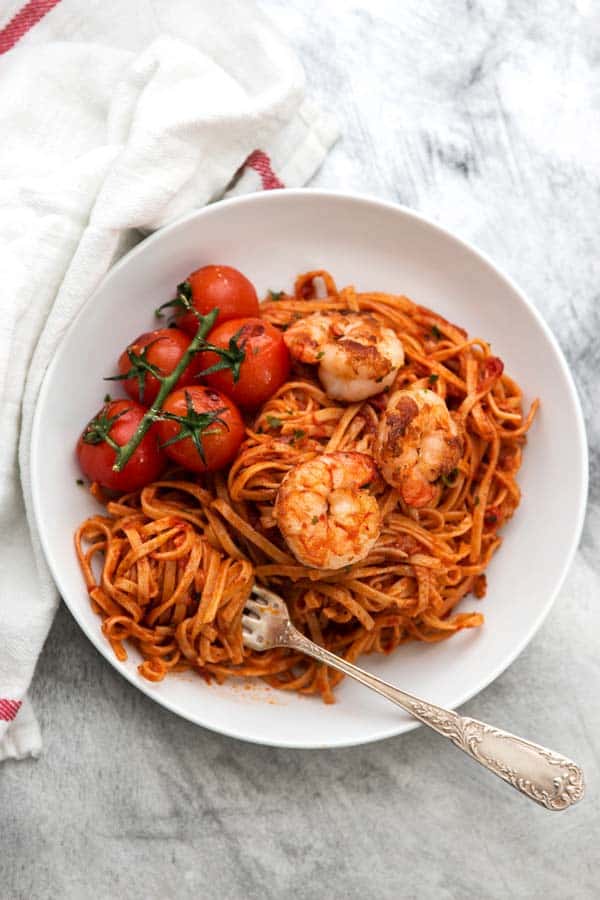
366 355
357 355
398 421
418 441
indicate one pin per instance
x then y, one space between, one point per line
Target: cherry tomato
162 349
221 287
266 365
118 420
210 426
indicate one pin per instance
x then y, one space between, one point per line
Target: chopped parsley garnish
107 398
298 434
366 486
435 331
450 479
315 519
320 354
273 422
433 378
276 295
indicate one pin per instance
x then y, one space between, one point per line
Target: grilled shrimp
325 511
417 441
357 355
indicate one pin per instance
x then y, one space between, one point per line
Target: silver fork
541 774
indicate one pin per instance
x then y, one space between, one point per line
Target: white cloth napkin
114 117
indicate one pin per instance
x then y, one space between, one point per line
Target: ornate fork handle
539 773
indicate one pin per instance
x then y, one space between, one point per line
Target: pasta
169 567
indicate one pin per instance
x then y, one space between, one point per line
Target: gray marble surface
485 116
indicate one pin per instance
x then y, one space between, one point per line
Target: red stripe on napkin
9 709
20 24
260 162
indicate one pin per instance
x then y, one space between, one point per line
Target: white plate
375 246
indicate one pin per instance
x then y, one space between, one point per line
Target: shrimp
417 441
325 511
357 355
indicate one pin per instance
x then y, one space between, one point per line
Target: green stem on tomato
168 382
140 367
